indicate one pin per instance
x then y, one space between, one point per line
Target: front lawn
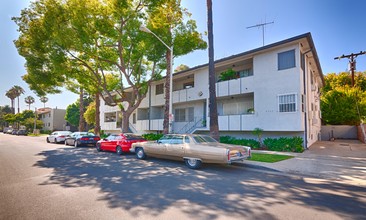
269 158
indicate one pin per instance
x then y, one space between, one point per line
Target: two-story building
275 87
52 118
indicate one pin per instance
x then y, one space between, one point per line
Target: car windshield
203 139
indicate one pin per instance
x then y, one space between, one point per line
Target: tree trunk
214 125
125 121
18 105
97 115
81 110
167 97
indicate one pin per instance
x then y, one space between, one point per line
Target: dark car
14 132
22 132
119 143
81 138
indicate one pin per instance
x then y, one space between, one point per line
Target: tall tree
214 124
11 95
44 99
18 92
29 100
87 40
171 23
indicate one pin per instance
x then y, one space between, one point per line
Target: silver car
58 137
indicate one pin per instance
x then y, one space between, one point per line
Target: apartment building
275 87
53 119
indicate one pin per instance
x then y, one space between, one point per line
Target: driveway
340 160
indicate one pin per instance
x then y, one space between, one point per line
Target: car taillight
228 154
84 139
61 136
97 138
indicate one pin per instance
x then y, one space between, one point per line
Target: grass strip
269 158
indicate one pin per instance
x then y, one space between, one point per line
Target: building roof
306 36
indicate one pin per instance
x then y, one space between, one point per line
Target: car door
53 137
175 147
158 147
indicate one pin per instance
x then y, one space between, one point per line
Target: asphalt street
53 181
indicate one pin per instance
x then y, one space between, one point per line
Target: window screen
286 60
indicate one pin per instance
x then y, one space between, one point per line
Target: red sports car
119 143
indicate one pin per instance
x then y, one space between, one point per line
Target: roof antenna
261 25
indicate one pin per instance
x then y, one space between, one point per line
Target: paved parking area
340 160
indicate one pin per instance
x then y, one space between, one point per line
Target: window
159 89
188 85
180 115
287 103
286 60
184 114
245 73
134 118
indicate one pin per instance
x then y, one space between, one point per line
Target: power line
352 62
261 25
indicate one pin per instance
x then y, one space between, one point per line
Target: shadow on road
155 185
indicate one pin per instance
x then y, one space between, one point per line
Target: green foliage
89 114
29 123
228 75
342 104
244 142
294 144
73 114
152 136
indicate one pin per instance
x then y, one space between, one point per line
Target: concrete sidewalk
341 161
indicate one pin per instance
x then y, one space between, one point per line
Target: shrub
152 136
244 142
293 144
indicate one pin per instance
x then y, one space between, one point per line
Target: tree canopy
342 104
86 40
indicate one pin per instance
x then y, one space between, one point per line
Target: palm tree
44 99
214 124
18 91
29 100
11 95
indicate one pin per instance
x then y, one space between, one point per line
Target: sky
337 27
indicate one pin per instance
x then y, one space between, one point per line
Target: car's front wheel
140 153
119 150
48 141
193 163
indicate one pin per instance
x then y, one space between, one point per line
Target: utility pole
261 25
352 63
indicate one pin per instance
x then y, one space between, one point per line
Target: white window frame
287 102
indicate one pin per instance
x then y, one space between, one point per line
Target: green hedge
152 136
293 144
244 142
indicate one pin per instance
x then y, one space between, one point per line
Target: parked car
14 131
22 132
193 149
8 130
119 143
57 136
82 138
